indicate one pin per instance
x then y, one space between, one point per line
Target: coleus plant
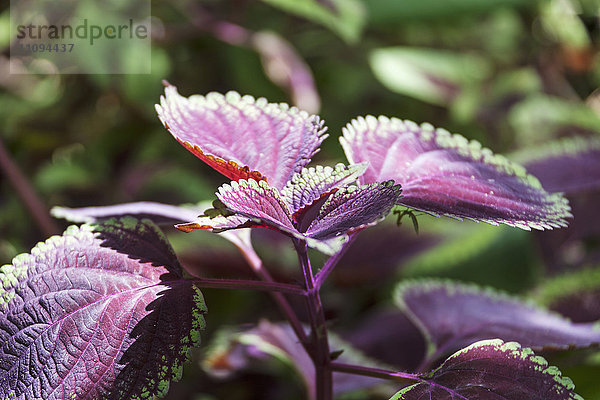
106 311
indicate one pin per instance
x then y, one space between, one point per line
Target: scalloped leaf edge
558 205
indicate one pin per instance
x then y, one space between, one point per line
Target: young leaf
569 165
452 315
256 204
354 208
313 183
242 137
257 200
101 312
445 174
492 369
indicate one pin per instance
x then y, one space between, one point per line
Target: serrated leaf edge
558 206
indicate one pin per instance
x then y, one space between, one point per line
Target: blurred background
520 76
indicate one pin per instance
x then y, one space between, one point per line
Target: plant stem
256 264
332 261
249 285
321 354
374 372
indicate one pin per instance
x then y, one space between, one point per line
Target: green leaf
434 76
344 17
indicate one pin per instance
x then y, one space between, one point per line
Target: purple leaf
492 369
445 174
452 315
157 212
570 165
101 312
242 137
312 183
235 351
354 208
256 204
257 200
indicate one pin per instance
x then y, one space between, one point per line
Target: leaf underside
101 312
445 174
452 315
242 137
157 212
492 369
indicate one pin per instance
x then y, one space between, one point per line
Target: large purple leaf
101 312
492 370
445 174
242 137
453 315
354 208
570 165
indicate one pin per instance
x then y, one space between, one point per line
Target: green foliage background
513 74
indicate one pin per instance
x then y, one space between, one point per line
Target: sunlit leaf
242 137
101 312
312 183
492 369
445 174
349 209
354 208
452 315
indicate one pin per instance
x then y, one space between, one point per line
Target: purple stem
257 266
332 261
249 285
374 372
321 354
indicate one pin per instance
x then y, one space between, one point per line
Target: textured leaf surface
492 369
453 315
354 208
256 204
446 174
314 182
98 313
242 137
235 351
570 165
257 200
